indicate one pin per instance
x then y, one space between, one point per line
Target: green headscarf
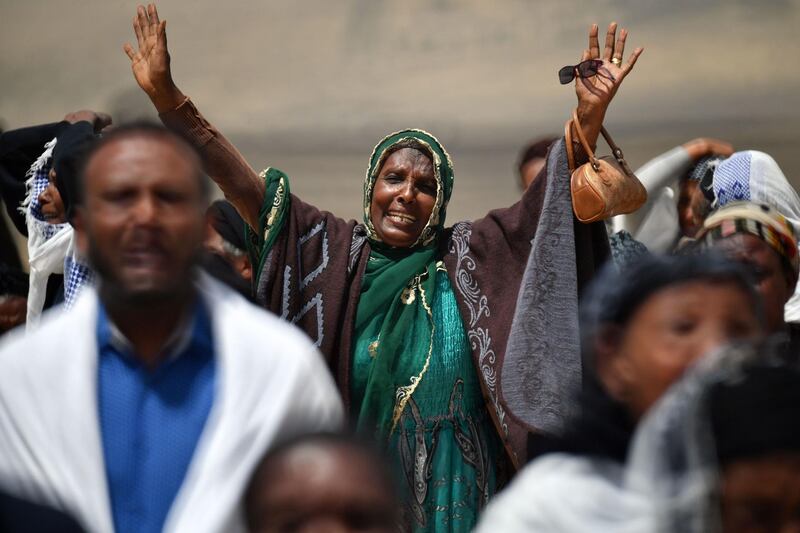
397 292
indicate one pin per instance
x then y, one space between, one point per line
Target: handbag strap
616 150
568 142
582 138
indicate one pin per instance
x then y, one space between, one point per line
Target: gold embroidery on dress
373 348
403 394
277 202
408 295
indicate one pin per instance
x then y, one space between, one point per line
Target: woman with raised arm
448 344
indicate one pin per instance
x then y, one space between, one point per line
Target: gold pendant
373 349
408 295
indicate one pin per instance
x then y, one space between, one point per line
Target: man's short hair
145 129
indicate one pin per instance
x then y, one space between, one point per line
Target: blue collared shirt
152 419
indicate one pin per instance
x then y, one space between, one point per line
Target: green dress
444 446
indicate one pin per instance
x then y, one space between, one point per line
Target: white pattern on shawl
542 365
755 176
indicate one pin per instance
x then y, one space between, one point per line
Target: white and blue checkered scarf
755 177
36 184
77 274
51 247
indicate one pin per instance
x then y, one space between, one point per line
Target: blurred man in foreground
146 407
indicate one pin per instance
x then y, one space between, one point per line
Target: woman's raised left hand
596 92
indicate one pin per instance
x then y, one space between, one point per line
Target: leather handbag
605 186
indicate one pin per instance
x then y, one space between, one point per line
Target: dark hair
228 223
144 129
74 141
533 150
616 294
366 449
756 413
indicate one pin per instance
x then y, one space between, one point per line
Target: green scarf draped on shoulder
396 294
272 218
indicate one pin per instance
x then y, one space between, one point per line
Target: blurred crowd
172 363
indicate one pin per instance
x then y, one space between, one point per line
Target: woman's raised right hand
150 63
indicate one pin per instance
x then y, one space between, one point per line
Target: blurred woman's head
757 443
644 325
759 237
721 450
754 176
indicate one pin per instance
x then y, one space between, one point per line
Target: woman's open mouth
401 219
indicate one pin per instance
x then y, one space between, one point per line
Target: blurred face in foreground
669 331
762 494
321 488
142 221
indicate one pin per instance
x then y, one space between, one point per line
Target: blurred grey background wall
310 86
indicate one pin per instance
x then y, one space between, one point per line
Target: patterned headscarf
442 170
760 220
703 174
756 177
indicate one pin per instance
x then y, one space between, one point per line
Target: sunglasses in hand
584 69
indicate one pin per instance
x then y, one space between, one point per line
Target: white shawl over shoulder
272 384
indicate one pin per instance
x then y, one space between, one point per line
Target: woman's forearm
225 165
